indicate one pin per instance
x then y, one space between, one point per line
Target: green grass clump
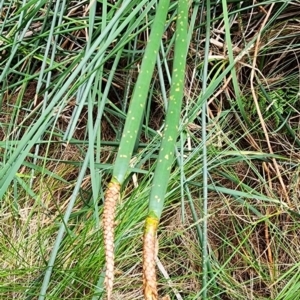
67 75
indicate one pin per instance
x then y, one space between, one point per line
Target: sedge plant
166 154
129 137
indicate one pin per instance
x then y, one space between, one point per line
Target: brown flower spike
149 256
110 201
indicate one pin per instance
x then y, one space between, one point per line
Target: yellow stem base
149 256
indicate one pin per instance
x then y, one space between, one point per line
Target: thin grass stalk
235 82
61 231
129 137
51 43
184 184
96 176
166 154
84 89
204 155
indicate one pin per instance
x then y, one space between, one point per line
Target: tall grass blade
166 153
